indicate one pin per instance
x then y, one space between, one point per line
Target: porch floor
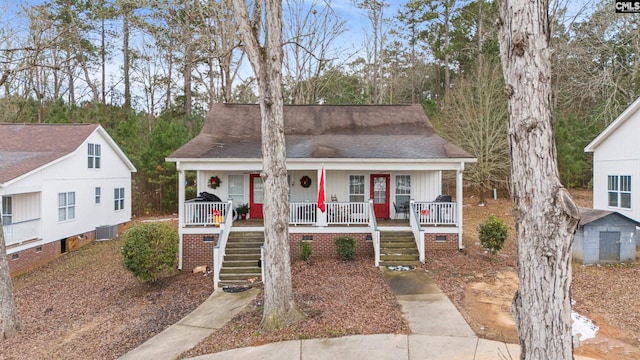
380 222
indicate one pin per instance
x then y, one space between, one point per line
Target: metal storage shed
605 236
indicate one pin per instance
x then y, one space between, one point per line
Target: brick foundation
323 245
196 251
26 260
433 243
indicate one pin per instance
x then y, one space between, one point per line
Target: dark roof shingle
323 131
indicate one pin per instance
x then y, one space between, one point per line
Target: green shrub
149 250
346 247
493 233
305 250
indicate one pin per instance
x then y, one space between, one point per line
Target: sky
358 27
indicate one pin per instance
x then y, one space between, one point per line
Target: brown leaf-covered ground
85 306
339 299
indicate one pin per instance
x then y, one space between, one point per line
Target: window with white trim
356 188
7 213
403 189
236 189
93 159
66 206
118 199
619 191
98 195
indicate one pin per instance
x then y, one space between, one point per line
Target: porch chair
402 209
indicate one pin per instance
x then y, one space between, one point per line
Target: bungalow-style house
382 167
61 186
604 236
616 164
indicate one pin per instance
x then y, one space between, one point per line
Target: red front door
256 196
380 195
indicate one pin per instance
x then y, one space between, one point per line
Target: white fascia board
329 164
626 114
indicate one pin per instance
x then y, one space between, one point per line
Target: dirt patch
482 287
489 303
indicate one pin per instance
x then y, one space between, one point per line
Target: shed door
609 245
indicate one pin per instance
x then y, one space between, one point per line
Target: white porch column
181 196
460 201
321 217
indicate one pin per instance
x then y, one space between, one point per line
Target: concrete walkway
439 332
219 308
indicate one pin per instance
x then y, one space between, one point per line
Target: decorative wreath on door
214 182
305 181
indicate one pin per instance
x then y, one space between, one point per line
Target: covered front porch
354 194
364 199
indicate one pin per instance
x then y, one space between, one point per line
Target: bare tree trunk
103 61
167 101
8 315
545 214
447 41
126 61
280 308
188 58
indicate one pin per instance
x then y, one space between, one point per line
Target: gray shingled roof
324 131
588 215
26 147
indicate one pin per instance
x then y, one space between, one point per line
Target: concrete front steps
242 255
398 249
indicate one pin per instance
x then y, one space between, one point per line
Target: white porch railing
375 235
206 213
418 233
219 250
302 213
21 231
436 213
348 213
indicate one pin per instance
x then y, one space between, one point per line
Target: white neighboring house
616 164
58 184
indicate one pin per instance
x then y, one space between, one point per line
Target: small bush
305 250
149 250
493 233
346 247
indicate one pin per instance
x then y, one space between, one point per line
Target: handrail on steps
220 249
375 234
418 233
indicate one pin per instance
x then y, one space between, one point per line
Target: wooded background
148 70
